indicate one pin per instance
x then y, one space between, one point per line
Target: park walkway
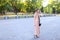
23 29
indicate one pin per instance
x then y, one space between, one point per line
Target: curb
23 16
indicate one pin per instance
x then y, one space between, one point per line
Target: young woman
37 23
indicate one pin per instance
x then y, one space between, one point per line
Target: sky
45 3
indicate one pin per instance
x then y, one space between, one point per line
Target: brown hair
37 9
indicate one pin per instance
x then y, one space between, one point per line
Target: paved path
23 29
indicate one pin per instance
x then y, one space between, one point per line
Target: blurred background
18 7
21 23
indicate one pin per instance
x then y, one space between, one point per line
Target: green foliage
28 6
55 5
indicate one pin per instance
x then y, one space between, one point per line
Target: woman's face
38 11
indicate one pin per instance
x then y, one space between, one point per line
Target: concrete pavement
23 29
